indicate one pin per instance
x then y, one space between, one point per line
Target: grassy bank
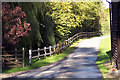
45 61
103 55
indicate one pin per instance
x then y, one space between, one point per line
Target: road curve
81 63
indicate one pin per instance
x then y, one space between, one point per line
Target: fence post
23 50
58 47
71 40
65 44
16 55
82 35
89 34
61 47
54 49
77 36
3 65
93 34
30 56
39 53
45 51
68 42
50 50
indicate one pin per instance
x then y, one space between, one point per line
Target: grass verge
44 61
104 55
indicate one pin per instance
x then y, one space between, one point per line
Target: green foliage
53 22
79 16
63 18
41 24
35 35
48 34
105 20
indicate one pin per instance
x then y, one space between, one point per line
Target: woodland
39 24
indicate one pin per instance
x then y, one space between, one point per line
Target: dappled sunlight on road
80 63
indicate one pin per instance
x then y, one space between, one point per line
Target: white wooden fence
48 51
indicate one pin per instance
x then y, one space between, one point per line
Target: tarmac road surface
81 63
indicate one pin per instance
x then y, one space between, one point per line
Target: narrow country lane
81 63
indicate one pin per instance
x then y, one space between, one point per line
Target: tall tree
42 28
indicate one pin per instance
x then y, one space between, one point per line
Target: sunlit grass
105 47
45 61
106 34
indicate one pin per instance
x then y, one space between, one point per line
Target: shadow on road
80 60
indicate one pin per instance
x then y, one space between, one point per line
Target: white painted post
63 46
16 55
39 53
65 43
30 56
50 50
68 42
54 49
45 51
23 52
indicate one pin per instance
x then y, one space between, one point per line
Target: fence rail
56 49
13 58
